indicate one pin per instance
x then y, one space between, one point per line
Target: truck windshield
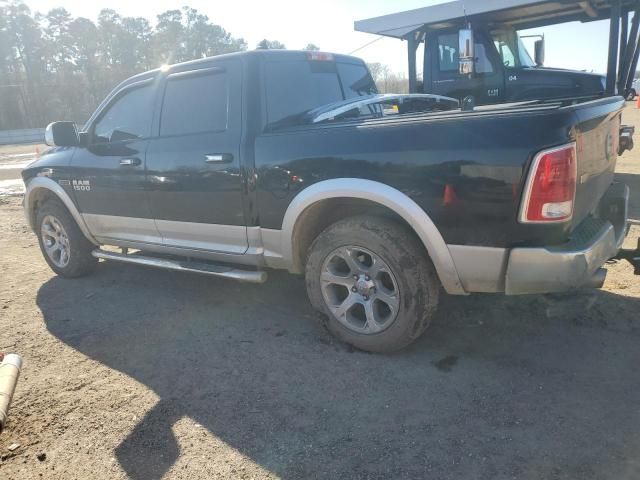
295 87
511 48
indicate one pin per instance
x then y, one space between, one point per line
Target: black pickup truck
231 165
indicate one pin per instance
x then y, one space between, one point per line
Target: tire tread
404 252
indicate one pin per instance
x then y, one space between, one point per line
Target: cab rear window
295 86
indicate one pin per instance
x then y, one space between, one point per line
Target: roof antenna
464 12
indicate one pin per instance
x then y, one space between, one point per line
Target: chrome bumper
574 264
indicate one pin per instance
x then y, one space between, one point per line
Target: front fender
35 189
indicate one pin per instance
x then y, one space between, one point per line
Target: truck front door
108 174
194 179
442 56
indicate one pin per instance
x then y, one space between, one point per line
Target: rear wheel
65 248
373 281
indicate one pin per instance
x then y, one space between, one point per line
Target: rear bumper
578 262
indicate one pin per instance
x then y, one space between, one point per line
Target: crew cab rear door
194 177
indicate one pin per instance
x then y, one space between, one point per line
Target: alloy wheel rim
360 289
55 241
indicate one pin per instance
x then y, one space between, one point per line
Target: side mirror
538 54
466 51
61 134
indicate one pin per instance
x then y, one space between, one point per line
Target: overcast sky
329 24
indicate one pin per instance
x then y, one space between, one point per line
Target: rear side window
127 118
294 86
356 80
196 102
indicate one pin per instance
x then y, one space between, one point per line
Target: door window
195 103
483 64
448 52
127 118
508 58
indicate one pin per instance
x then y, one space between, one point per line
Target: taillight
551 187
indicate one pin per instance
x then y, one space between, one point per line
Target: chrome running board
250 276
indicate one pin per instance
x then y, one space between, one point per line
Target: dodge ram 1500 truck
231 165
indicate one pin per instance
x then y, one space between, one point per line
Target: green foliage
55 67
270 45
312 47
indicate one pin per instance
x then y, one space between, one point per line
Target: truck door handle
130 161
218 158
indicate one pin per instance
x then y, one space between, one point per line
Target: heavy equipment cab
472 49
503 69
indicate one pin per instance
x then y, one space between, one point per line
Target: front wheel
65 248
631 94
373 280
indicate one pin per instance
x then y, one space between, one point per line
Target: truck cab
504 71
472 49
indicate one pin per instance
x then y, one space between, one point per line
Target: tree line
54 66
388 81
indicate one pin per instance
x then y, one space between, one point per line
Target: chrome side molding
249 276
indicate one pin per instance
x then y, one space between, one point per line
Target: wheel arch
39 190
379 194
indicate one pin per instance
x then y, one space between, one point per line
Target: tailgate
597 133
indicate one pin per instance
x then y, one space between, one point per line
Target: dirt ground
147 374
13 158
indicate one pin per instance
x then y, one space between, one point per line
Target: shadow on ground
500 387
633 182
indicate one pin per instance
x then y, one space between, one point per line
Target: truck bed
466 169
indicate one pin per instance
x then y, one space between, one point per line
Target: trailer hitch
632 256
626 138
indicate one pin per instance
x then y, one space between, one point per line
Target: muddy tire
64 247
373 281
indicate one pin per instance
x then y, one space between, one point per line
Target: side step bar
184 266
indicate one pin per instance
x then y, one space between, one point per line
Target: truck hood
543 82
54 157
